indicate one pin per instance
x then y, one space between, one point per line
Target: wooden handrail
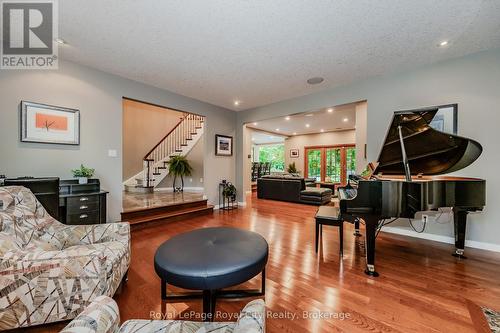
170 132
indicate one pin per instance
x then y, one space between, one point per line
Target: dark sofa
292 189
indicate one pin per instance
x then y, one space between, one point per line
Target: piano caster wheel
370 270
459 254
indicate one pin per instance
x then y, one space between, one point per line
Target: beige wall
144 125
195 159
320 139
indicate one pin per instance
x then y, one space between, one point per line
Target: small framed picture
49 124
294 153
223 145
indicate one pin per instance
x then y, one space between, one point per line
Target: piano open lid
429 151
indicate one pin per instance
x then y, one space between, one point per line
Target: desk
82 203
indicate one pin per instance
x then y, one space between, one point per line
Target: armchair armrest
99 233
252 318
101 316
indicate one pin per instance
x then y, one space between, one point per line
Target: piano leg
371 224
460 222
356 228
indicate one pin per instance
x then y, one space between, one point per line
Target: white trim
441 239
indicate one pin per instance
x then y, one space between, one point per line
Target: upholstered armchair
102 316
50 271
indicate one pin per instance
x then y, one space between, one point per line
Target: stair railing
171 144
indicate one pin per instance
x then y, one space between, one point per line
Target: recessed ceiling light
236 103
443 43
322 130
294 133
346 120
315 80
277 130
307 125
255 124
287 118
253 139
330 110
60 41
309 115
271 137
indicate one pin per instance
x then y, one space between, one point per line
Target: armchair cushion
50 271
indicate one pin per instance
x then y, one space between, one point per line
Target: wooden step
151 211
178 215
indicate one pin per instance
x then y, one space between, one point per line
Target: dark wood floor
421 287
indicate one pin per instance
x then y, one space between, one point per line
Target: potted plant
291 168
178 166
229 191
83 174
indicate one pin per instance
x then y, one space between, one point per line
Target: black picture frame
223 150
25 129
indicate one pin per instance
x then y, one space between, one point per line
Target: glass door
313 165
333 165
330 164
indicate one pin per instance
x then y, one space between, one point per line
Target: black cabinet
82 203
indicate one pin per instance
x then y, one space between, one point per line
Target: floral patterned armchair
50 271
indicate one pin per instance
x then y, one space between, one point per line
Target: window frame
343 161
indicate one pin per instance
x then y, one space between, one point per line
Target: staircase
179 141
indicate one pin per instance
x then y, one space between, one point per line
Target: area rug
493 319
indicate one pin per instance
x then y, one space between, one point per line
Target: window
332 164
274 154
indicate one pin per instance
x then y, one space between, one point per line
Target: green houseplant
229 191
291 168
178 166
83 174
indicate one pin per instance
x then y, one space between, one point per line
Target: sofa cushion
314 191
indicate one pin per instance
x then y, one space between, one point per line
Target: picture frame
294 153
42 123
223 145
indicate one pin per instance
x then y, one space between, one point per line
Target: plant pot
83 180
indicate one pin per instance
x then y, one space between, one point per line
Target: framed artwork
294 153
223 145
49 124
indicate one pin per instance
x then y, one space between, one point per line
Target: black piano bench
329 215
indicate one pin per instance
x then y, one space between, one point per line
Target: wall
98 96
195 159
472 81
144 125
361 131
319 139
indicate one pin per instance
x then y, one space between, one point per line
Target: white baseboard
441 239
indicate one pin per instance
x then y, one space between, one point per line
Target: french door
332 164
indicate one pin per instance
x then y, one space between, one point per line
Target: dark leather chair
46 191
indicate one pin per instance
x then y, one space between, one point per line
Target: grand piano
409 178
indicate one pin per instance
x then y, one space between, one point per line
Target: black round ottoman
211 259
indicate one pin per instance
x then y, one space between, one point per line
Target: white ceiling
259 138
337 118
262 51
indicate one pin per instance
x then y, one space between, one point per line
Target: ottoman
211 259
317 196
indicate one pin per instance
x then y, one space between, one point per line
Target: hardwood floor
421 287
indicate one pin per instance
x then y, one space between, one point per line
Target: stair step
162 168
178 150
173 216
156 173
149 159
141 213
183 144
